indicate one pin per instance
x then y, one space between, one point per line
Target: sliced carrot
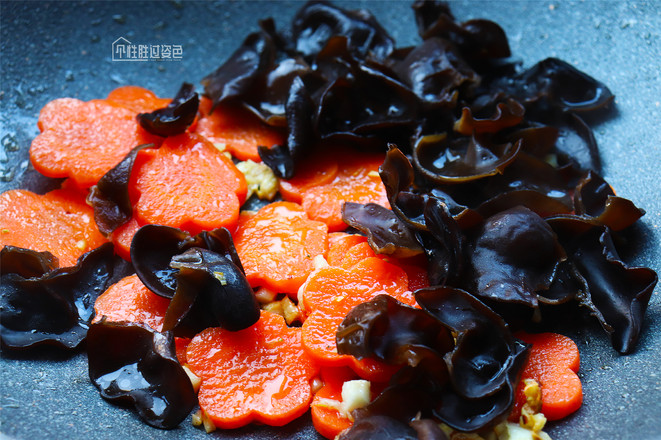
188 184
345 250
328 421
553 362
277 246
315 170
239 130
130 300
356 180
84 140
122 236
339 244
258 374
137 99
181 346
59 222
330 293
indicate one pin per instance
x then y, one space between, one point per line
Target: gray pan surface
63 49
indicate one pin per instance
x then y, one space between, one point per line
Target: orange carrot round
137 99
59 222
330 293
239 130
277 246
187 184
84 140
130 300
356 180
553 362
257 374
328 421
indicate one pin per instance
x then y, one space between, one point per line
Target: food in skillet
462 182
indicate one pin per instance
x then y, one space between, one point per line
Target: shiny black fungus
316 22
476 39
514 256
595 198
467 384
391 332
56 306
557 85
485 364
131 363
110 196
153 247
615 293
176 117
386 233
444 160
211 292
243 75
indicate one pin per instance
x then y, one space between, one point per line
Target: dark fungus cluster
491 171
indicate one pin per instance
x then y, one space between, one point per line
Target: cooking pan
65 49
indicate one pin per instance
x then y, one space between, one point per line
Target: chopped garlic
290 311
512 431
260 179
265 296
355 394
194 380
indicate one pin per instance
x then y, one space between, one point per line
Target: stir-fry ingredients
434 203
553 363
84 140
260 373
58 222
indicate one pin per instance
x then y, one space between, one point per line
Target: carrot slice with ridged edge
277 246
137 99
345 250
59 222
257 374
188 184
122 236
239 130
130 300
330 293
84 140
318 169
328 421
553 362
356 180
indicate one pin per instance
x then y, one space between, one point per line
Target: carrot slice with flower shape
315 170
553 362
330 293
59 222
130 300
277 246
137 99
187 184
345 250
122 236
329 422
84 140
240 131
356 180
257 374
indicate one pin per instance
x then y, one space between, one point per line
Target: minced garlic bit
291 312
265 296
220 276
81 244
260 179
512 431
355 394
285 308
200 418
194 379
531 417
